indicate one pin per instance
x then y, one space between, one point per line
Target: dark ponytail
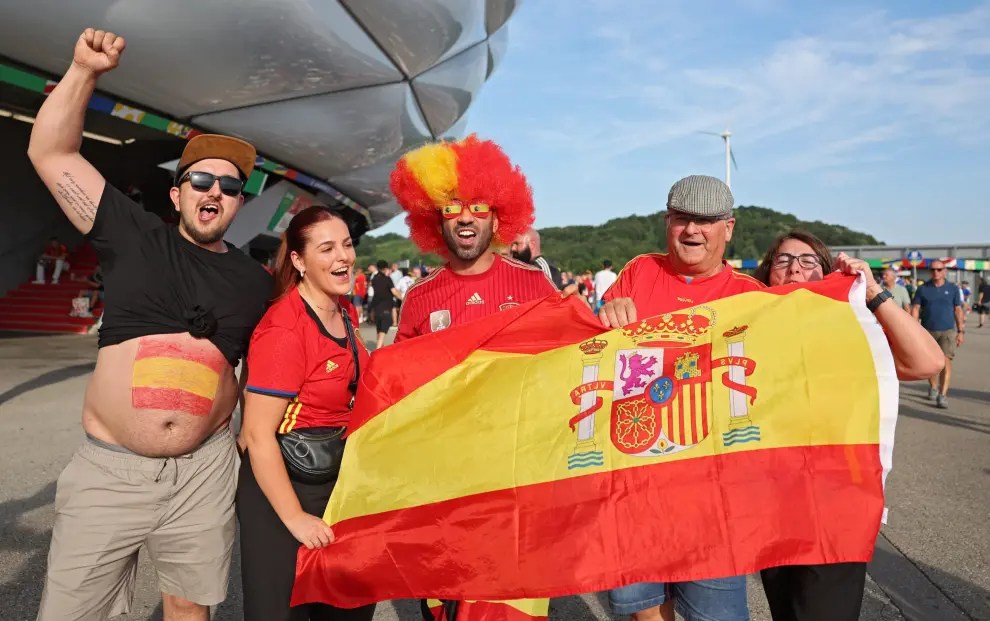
294 239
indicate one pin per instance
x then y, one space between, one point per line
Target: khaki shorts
946 339
109 503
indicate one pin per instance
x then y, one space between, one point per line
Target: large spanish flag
533 454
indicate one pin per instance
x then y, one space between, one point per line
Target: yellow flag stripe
175 373
488 434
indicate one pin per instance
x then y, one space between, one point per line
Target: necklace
325 310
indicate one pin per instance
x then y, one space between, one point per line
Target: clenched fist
98 51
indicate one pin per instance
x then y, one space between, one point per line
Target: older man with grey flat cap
699 223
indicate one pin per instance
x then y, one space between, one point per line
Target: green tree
577 248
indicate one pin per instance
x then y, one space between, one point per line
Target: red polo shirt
656 288
293 356
444 298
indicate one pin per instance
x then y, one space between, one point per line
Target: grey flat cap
701 195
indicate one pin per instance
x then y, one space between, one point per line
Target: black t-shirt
158 282
551 270
382 286
985 290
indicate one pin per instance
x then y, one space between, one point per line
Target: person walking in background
966 295
383 304
526 248
54 256
983 300
938 304
834 592
303 367
901 296
359 293
602 281
699 224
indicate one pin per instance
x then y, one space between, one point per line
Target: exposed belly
159 395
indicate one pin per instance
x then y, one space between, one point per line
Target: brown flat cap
212 146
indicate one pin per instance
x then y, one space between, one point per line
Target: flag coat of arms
535 454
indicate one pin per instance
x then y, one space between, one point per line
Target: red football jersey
444 298
360 284
293 356
656 288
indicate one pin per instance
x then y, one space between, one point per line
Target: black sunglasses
203 181
938 269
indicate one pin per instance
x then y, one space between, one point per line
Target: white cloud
847 86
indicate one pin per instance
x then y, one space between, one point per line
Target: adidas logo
331 366
475 299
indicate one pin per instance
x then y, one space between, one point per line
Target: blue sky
871 115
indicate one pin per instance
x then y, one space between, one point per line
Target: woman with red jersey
303 365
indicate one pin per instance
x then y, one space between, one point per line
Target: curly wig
471 171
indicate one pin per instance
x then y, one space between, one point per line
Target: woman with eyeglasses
304 362
835 592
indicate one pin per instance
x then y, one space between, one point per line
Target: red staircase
45 308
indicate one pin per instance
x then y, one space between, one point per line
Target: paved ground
932 559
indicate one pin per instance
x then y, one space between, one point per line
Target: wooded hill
576 248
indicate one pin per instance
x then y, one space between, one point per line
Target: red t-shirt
360 285
293 356
444 298
656 289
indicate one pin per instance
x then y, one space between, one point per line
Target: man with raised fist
159 465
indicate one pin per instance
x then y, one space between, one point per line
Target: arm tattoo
73 197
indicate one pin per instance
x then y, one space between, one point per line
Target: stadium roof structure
331 92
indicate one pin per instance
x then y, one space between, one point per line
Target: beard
525 255
483 240
211 235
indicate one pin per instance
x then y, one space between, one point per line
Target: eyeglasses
682 220
203 181
806 261
938 269
454 210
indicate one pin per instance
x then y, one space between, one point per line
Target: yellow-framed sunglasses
454 210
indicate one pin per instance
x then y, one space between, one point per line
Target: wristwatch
879 299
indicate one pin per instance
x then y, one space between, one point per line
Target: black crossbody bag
312 456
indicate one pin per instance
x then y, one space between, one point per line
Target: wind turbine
730 157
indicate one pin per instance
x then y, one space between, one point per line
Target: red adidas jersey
656 288
444 298
293 356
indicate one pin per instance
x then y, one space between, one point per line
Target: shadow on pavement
923 592
936 416
20 596
47 379
962 393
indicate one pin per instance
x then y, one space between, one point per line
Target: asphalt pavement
932 559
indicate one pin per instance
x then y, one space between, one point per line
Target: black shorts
383 320
815 592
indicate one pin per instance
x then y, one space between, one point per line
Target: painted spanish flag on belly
175 373
533 454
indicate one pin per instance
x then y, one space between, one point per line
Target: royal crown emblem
593 347
673 329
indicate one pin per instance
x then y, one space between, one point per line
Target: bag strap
352 341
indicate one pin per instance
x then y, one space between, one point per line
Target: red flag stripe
733 502
161 348
171 399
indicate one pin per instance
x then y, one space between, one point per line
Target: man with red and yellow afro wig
430 179
459 199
